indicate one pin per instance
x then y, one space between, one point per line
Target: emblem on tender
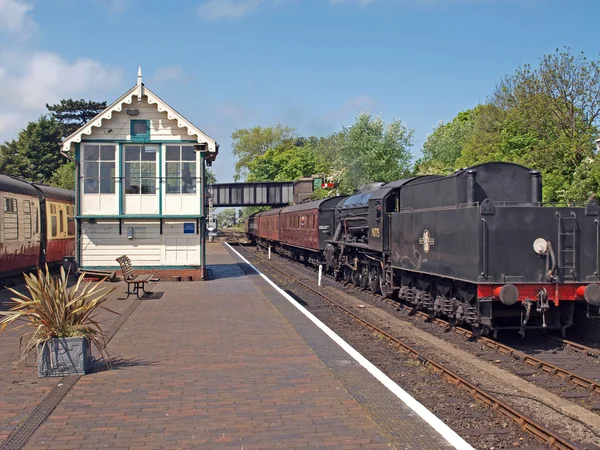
426 241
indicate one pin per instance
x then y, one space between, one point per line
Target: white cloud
15 19
28 82
168 74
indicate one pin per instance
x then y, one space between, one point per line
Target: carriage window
36 221
27 222
10 205
70 221
61 221
53 225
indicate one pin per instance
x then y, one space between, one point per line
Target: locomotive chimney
471 173
536 186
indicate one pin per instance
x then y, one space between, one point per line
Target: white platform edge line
435 422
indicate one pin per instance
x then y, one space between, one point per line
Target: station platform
225 363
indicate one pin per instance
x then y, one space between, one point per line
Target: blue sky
309 64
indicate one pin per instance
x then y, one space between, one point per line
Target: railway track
589 385
552 439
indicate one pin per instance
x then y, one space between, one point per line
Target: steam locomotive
477 247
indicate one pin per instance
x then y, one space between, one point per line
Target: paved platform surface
224 363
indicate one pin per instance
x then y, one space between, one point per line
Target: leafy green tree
226 218
373 150
444 146
288 161
72 114
35 155
12 161
210 177
249 143
64 176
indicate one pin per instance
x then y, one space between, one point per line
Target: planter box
64 356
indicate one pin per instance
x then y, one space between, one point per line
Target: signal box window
140 169
98 169
181 169
140 130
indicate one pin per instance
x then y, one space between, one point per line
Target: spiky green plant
56 311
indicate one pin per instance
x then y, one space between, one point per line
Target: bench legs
137 285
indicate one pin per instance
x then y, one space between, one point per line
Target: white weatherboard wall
101 244
161 128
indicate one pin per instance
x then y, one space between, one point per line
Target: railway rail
545 366
552 439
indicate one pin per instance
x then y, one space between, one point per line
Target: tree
555 110
35 155
444 146
73 114
288 161
373 150
12 161
250 143
226 218
209 176
64 176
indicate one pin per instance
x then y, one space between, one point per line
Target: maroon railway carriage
268 225
299 231
300 225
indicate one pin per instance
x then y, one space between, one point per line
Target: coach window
36 222
53 219
61 220
11 219
27 226
70 221
98 169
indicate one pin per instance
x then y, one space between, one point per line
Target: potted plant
63 320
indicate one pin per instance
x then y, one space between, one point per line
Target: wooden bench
137 281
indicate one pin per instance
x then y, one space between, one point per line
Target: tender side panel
443 242
512 231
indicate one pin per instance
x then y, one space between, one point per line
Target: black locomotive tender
477 246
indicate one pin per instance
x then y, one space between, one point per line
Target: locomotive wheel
374 280
364 277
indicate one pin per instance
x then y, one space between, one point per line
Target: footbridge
276 193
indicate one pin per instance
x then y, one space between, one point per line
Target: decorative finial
140 92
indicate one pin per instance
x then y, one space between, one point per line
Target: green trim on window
160 180
77 201
121 178
140 137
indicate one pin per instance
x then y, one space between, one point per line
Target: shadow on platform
100 365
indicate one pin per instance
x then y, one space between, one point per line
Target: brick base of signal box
171 274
